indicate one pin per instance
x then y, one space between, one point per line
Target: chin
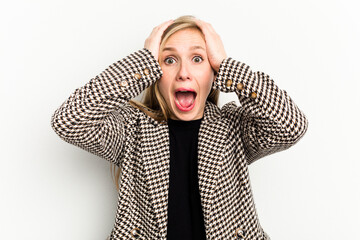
187 116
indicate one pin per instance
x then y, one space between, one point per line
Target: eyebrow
191 48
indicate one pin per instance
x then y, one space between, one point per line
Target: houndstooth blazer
98 118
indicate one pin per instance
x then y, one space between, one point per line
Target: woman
183 161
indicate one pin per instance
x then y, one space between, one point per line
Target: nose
184 72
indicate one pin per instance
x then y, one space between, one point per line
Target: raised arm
97 116
268 120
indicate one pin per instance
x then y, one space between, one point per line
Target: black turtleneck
185 216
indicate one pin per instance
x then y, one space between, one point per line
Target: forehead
185 38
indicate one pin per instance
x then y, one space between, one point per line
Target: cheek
164 86
207 83
165 82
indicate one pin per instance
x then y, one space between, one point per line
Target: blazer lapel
211 148
156 155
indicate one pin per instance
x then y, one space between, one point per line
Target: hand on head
214 46
152 43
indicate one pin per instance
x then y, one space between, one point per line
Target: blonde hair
153 103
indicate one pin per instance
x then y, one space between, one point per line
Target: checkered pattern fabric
98 118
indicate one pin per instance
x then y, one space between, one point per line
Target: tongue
185 98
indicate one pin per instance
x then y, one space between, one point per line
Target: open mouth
185 99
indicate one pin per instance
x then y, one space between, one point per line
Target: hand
214 46
152 43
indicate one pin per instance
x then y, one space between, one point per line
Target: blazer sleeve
267 119
97 117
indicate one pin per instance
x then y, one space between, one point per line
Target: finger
159 30
209 28
161 27
205 27
165 25
200 24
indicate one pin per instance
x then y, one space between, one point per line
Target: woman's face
187 74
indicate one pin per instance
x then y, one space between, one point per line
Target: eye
197 59
169 60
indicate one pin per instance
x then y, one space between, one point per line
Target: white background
53 190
